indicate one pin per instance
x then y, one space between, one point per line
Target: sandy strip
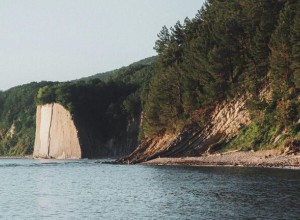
268 158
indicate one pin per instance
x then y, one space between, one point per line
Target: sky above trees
61 40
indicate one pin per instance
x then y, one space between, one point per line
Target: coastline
266 159
16 157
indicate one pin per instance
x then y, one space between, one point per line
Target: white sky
59 40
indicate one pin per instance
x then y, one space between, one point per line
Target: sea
93 189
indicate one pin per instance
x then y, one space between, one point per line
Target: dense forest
106 101
228 49
17 119
106 105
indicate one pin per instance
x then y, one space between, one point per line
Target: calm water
46 189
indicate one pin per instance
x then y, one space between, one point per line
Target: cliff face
62 136
94 145
56 134
224 123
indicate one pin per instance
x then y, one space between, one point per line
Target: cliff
95 144
56 134
224 123
61 135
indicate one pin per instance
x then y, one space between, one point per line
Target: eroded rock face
62 136
224 123
56 135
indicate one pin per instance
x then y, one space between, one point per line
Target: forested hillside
107 101
17 119
106 105
229 48
122 72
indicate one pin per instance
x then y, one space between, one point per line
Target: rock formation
56 135
61 135
224 123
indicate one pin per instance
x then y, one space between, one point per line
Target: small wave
46 163
10 165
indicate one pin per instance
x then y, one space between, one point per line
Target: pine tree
162 44
177 33
258 21
270 10
154 110
295 40
280 45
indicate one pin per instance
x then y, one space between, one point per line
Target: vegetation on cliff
229 48
107 101
17 119
106 106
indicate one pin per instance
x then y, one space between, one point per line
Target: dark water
46 189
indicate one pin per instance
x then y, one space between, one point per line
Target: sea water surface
87 189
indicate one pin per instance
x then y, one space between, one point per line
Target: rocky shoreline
267 158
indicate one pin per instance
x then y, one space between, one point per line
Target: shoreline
263 159
16 157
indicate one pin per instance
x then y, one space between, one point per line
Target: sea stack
56 134
62 135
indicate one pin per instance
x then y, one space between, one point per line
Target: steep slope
94 144
59 135
201 94
56 135
222 125
106 114
17 119
18 107
205 94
